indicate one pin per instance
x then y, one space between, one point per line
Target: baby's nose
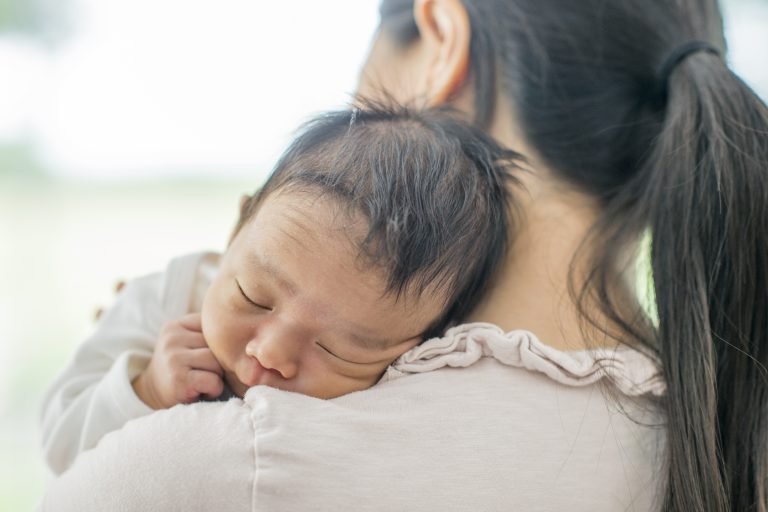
274 353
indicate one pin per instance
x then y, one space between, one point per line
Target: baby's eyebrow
275 273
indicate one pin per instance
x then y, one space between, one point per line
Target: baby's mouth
237 387
248 372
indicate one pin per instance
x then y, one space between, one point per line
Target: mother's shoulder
184 458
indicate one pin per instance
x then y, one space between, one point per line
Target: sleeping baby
378 228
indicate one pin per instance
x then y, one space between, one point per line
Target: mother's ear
444 32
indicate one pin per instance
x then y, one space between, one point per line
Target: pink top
633 373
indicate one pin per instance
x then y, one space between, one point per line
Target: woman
631 122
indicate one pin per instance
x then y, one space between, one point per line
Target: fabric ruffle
632 372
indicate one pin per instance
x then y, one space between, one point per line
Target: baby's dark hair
434 190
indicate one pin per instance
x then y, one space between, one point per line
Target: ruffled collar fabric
632 372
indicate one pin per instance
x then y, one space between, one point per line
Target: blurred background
128 131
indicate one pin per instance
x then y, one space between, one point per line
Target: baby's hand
182 367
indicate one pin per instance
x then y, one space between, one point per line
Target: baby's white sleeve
93 395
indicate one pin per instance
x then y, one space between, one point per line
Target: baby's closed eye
355 361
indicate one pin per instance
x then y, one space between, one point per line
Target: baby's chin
237 387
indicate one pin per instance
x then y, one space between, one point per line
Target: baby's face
292 308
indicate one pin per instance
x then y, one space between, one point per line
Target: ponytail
707 198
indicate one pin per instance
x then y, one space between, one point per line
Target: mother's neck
531 290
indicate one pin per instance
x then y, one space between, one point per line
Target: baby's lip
254 373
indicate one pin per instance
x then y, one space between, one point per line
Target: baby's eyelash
248 299
338 357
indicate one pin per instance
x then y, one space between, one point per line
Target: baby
377 229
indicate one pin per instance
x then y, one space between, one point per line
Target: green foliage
644 272
19 159
44 19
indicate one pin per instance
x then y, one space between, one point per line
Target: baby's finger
201 382
191 322
203 359
190 340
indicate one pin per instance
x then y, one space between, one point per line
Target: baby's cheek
351 381
206 316
213 322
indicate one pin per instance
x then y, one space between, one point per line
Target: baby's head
377 229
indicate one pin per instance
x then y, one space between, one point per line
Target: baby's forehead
325 218
319 223
295 221
298 248
315 211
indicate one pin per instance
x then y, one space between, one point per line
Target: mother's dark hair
685 158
